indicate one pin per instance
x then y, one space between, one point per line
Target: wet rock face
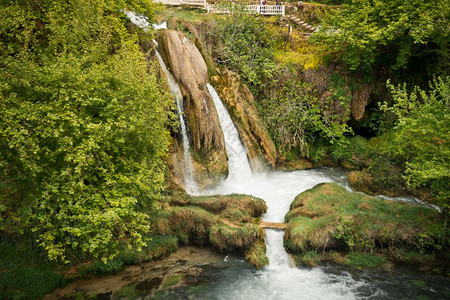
185 61
360 97
360 100
188 67
241 105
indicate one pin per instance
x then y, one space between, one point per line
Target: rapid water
189 181
279 280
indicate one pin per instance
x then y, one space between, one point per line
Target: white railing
258 9
266 9
194 2
219 9
180 2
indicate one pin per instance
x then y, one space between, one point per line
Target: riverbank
329 223
182 268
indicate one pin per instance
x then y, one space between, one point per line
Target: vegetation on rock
327 217
227 223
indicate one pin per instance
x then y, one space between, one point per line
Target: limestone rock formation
189 69
240 104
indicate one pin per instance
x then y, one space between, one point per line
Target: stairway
305 29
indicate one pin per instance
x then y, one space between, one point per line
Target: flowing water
189 181
280 280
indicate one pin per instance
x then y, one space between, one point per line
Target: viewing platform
221 9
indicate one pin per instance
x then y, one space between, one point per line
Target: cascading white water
191 185
188 170
238 165
278 280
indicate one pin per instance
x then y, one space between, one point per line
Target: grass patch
98 268
26 272
26 283
127 292
361 260
164 13
236 208
328 217
310 258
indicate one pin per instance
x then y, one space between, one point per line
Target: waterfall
238 164
278 280
189 180
188 170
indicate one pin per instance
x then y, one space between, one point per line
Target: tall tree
408 35
82 126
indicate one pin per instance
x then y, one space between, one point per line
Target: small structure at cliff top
226 9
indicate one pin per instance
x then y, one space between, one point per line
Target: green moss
226 238
100 268
192 224
256 254
310 258
171 280
236 208
127 292
364 260
328 217
26 283
26 272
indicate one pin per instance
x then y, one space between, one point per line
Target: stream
280 280
236 279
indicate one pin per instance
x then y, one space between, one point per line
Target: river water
235 279
280 280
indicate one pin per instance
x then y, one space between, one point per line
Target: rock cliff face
360 96
240 104
189 69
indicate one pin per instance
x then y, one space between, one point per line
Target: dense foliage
296 118
246 46
421 137
292 114
404 35
413 152
82 128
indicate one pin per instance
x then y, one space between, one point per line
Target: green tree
400 34
421 137
82 128
246 46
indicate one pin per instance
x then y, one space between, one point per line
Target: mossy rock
328 217
235 208
364 182
227 223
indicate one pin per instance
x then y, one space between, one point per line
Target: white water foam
189 180
279 280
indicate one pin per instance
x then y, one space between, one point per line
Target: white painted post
282 10
204 4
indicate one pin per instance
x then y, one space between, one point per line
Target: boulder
188 67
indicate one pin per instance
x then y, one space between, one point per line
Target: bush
26 283
82 129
